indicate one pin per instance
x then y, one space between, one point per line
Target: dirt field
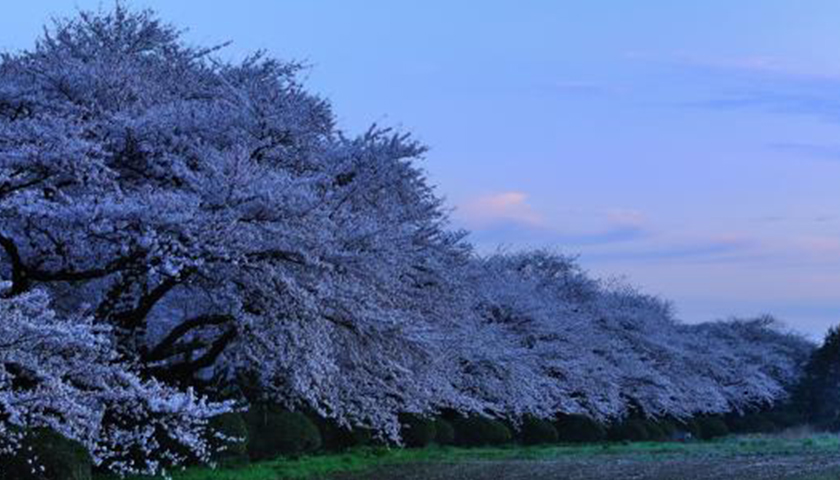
823 466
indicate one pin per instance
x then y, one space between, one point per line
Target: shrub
273 432
536 431
444 432
758 422
336 438
633 429
579 429
762 424
655 432
711 427
231 425
668 428
417 432
480 431
345 438
62 459
783 418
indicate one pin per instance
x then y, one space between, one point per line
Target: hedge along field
821 451
281 443
485 444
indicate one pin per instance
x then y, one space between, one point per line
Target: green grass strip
364 459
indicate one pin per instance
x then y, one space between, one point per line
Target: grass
364 459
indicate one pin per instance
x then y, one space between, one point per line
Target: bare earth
744 467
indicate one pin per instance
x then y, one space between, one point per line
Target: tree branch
84 275
277 254
131 319
20 280
185 370
165 348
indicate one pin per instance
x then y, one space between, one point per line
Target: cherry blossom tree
556 340
212 216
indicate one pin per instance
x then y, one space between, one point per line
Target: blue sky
692 147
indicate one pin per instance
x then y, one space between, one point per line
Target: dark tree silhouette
818 395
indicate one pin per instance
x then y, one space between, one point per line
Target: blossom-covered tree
212 216
64 374
558 341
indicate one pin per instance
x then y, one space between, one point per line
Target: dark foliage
668 428
579 429
785 416
631 429
818 394
417 432
536 431
655 432
444 432
62 459
480 431
274 432
708 428
231 425
341 438
335 438
750 423
773 419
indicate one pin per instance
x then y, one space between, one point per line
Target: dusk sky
691 147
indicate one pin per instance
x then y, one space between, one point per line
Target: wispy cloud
820 246
782 99
627 218
525 236
765 66
508 218
824 218
754 66
720 249
773 84
770 219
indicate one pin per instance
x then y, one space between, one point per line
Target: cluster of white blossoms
172 221
64 374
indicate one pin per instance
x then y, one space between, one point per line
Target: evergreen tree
818 395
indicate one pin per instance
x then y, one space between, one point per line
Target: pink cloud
499 208
626 218
821 246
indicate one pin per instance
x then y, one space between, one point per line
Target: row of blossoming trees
172 224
